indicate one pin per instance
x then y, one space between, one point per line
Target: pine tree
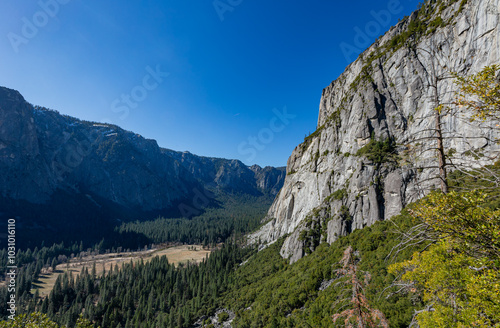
54 264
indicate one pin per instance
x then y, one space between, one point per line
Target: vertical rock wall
388 93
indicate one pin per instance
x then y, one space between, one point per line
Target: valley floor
105 262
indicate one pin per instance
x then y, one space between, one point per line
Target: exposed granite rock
269 179
214 320
293 247
383 95
19 149
231 175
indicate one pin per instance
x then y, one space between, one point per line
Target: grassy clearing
105 262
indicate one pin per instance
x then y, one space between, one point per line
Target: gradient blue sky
225 76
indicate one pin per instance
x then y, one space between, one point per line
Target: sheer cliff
360 165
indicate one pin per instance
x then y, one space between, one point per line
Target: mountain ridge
45 155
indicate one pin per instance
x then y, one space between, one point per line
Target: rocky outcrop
269 178
19 149
365 162
213 321
231 175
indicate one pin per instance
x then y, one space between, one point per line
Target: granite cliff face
231 175
19 148
43 154
388 94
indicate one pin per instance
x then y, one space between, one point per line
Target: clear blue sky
202 76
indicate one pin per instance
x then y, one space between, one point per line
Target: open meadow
105 262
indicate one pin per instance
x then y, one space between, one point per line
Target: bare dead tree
434 79
445 104
359 314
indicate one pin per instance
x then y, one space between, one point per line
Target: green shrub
337 195
378 152
222 317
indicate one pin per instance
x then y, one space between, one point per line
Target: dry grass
175 255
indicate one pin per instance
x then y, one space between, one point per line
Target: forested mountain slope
62 174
